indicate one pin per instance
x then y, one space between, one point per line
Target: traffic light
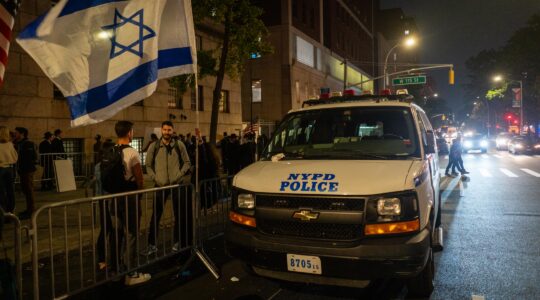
509 116
451 77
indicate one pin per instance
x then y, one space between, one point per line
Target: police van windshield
347 133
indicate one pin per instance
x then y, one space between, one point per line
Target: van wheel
422 284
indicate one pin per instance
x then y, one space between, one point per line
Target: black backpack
113 170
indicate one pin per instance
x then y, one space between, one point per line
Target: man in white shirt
133 175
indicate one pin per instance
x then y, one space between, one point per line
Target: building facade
29 99
317 44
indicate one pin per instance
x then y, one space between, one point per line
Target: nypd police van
347 191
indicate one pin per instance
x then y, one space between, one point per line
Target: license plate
304 264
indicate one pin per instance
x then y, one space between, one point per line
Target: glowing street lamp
409 42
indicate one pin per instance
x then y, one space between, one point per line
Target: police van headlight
395 213
483 143
246 201
389 207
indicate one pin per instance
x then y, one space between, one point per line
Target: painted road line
508 173
485 156
533 173
497 156
275 294
449 188
478 297
485 173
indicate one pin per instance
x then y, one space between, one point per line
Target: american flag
8 11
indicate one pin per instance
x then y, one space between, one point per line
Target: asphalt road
491 223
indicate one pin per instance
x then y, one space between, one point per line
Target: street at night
274 150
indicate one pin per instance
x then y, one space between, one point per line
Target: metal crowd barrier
79 234
83 166
10 220
215 204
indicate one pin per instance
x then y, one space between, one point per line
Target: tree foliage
518 59
241 32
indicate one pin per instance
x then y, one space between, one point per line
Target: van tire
422 285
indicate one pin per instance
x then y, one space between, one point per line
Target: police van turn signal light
391 228
242 220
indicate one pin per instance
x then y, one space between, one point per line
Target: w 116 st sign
409 80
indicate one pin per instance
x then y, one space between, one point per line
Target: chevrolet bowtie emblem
306 215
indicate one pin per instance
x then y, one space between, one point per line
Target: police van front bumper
342 264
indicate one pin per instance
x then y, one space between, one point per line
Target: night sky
451 31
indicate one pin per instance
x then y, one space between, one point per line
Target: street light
408 43
435 95
499 78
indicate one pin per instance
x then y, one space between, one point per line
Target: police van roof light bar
347 98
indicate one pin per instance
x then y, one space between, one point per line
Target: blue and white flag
105 55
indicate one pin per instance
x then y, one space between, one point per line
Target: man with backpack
121 172
168 163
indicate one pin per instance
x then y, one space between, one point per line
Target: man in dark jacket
46 161
57 143
26 168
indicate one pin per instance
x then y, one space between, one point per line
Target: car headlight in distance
246 201
537 146
519 146
389 207
483 143
467 144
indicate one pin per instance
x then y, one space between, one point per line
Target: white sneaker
137 278
175 247
151 249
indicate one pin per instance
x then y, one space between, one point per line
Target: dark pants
183 215
48 174
106 230
7 194
27 187
123 236
455 163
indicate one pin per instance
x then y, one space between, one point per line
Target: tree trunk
219 80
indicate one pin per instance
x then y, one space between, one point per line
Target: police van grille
316 203
310 230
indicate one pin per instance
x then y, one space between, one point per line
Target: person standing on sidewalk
8 157
46 161
168 163
126 161
26 168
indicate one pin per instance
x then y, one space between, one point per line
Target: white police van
347 191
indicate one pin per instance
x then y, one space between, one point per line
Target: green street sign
409 80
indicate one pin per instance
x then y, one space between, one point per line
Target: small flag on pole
105 55
8 11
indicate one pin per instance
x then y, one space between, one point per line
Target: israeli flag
105 55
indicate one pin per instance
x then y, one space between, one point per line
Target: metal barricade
215 203
95 240
13 242
83 167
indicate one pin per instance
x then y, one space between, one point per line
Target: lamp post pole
386 81
521 105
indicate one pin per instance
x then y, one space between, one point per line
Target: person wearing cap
46 161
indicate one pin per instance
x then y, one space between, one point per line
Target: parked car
475 142
524 144
502 140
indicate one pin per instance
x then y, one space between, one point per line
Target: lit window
224 101
256 90
175 99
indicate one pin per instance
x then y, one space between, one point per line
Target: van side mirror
431 145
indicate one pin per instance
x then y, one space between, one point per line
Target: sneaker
465 172
175 247
455 173
137 278
447 174
151 249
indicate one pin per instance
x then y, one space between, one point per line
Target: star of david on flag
105 55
